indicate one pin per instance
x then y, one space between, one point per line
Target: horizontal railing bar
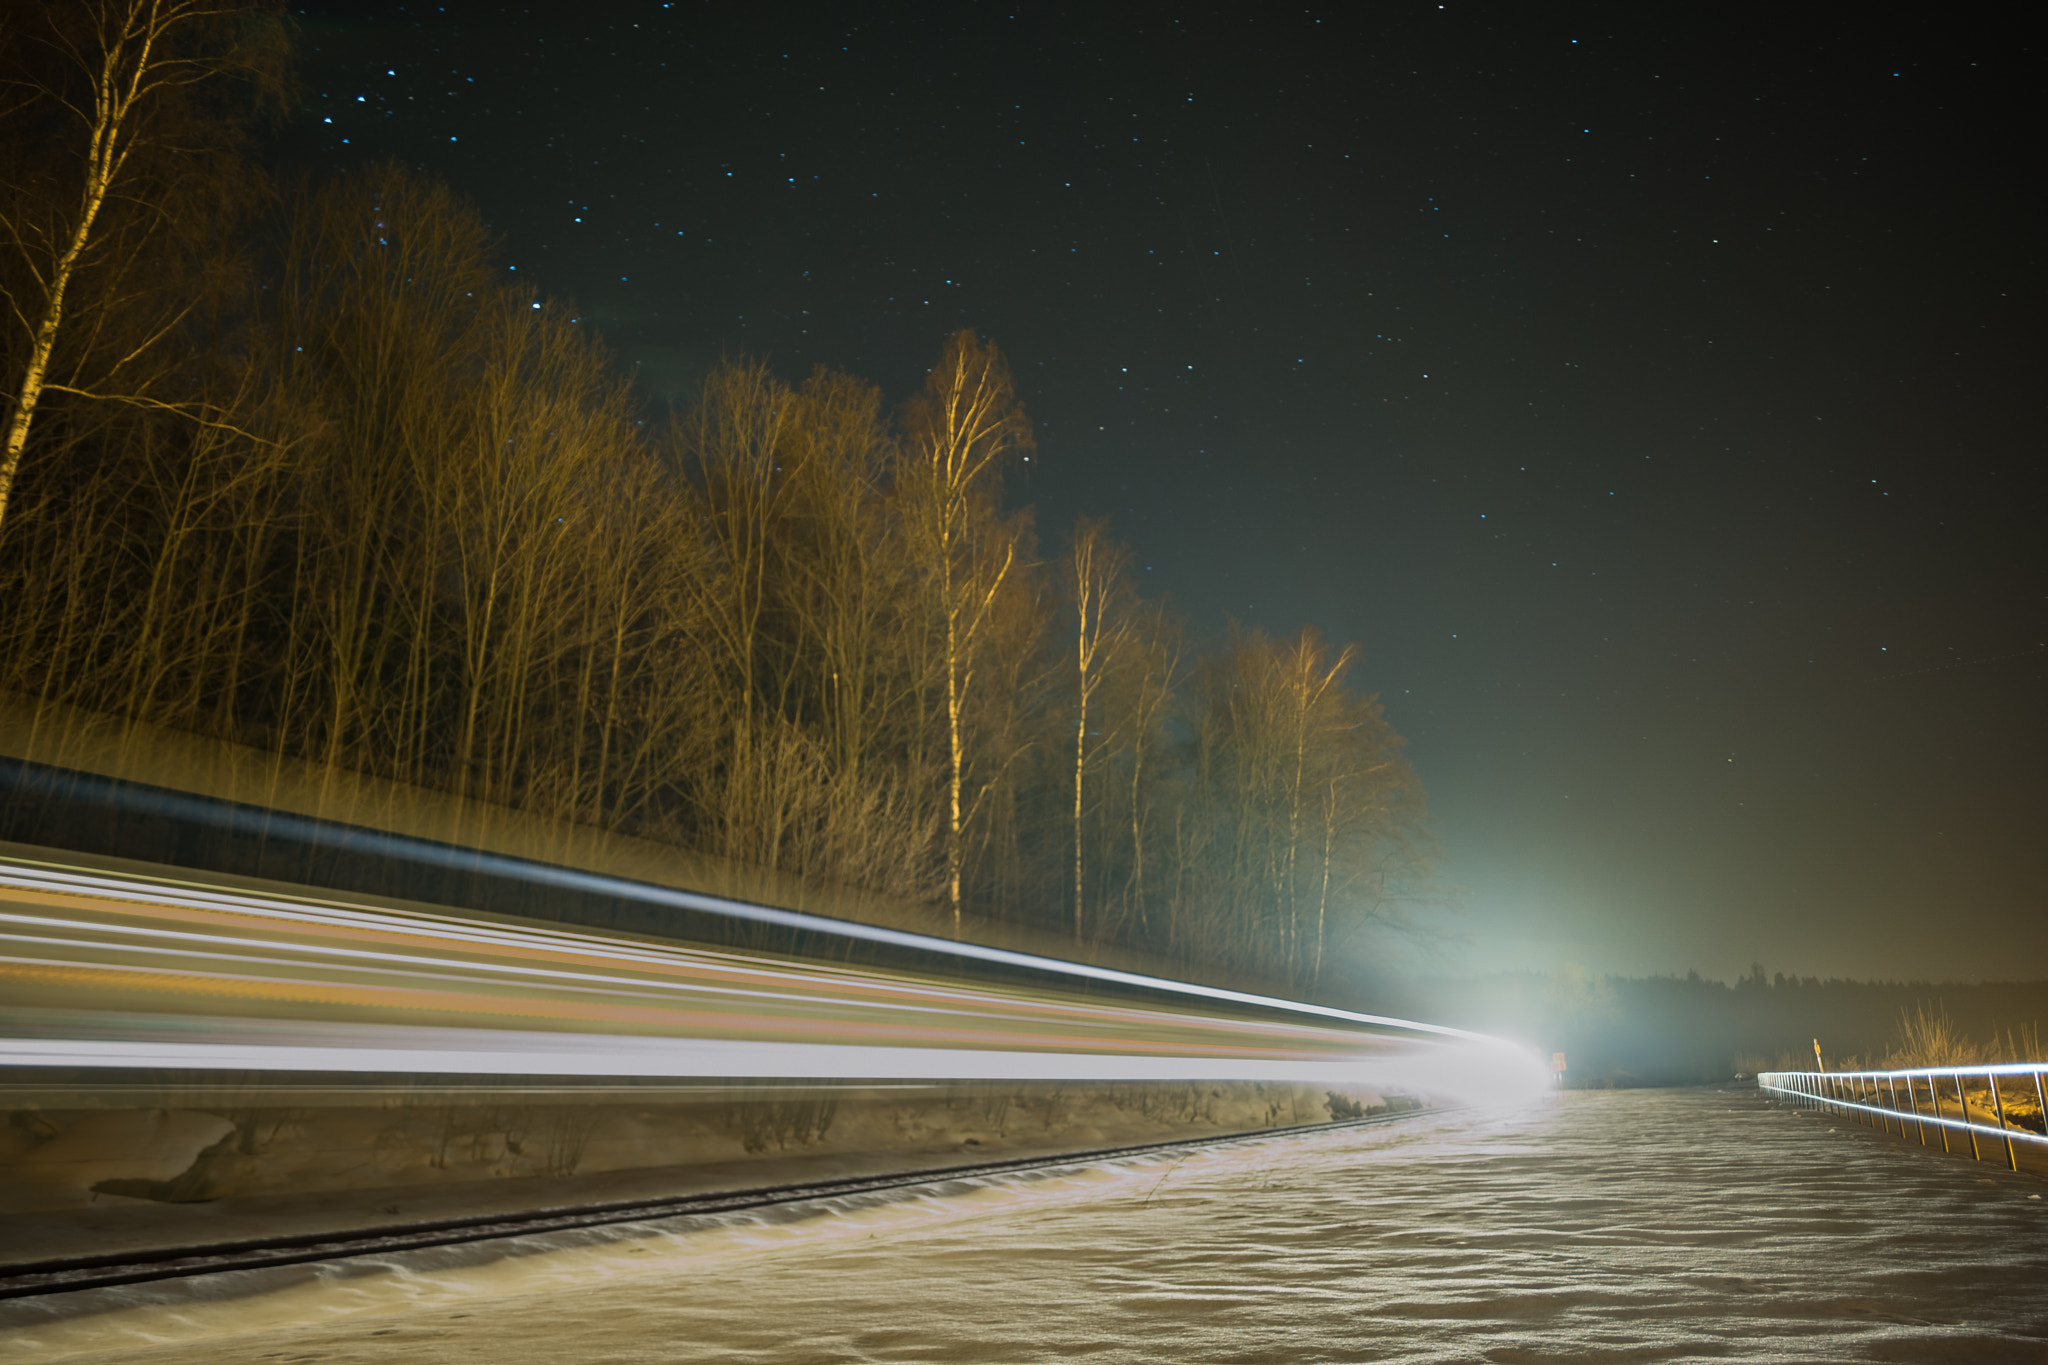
1999 1069
2022 1134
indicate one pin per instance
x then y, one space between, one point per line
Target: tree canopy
368 504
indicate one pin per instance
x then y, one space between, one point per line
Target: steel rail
72 1274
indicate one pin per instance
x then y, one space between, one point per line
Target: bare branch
190 411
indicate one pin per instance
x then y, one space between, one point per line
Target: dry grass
1928 1037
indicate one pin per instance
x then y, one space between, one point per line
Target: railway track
70 1274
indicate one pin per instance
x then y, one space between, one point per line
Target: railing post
1998 1106
1872 1097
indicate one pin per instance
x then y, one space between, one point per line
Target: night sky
1646 395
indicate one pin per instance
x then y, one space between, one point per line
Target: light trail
103 972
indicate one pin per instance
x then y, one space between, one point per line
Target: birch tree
1317 815
99 93
377 312
957 435
731 440
1094 581
843 591
1155 669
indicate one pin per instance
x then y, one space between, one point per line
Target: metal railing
1923 1097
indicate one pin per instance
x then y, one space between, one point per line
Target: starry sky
1643 391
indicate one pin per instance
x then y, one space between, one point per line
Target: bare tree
433 545
842 582
1296 774
1370 844
1094 580
732 442
1155 673
957 435
108 73
377 316
843 592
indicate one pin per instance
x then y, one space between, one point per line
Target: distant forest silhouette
292 465
1666 1030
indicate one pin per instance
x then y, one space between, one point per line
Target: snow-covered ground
1646 1225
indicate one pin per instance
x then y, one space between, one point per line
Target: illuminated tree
416 531
109 141
806 600
378 316
732 438
1094 583
1313 812
957 435
1151 670
844 601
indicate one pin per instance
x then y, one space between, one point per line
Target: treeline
305 472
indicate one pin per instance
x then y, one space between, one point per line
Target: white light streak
647 1011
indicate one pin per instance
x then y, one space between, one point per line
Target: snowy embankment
1667 1225
87 1182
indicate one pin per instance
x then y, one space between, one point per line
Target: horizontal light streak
412 965
600 884
390 1050
837 989
649 1011
679 1007
390 999
855 990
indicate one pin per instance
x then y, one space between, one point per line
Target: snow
1645 1225
138 1145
